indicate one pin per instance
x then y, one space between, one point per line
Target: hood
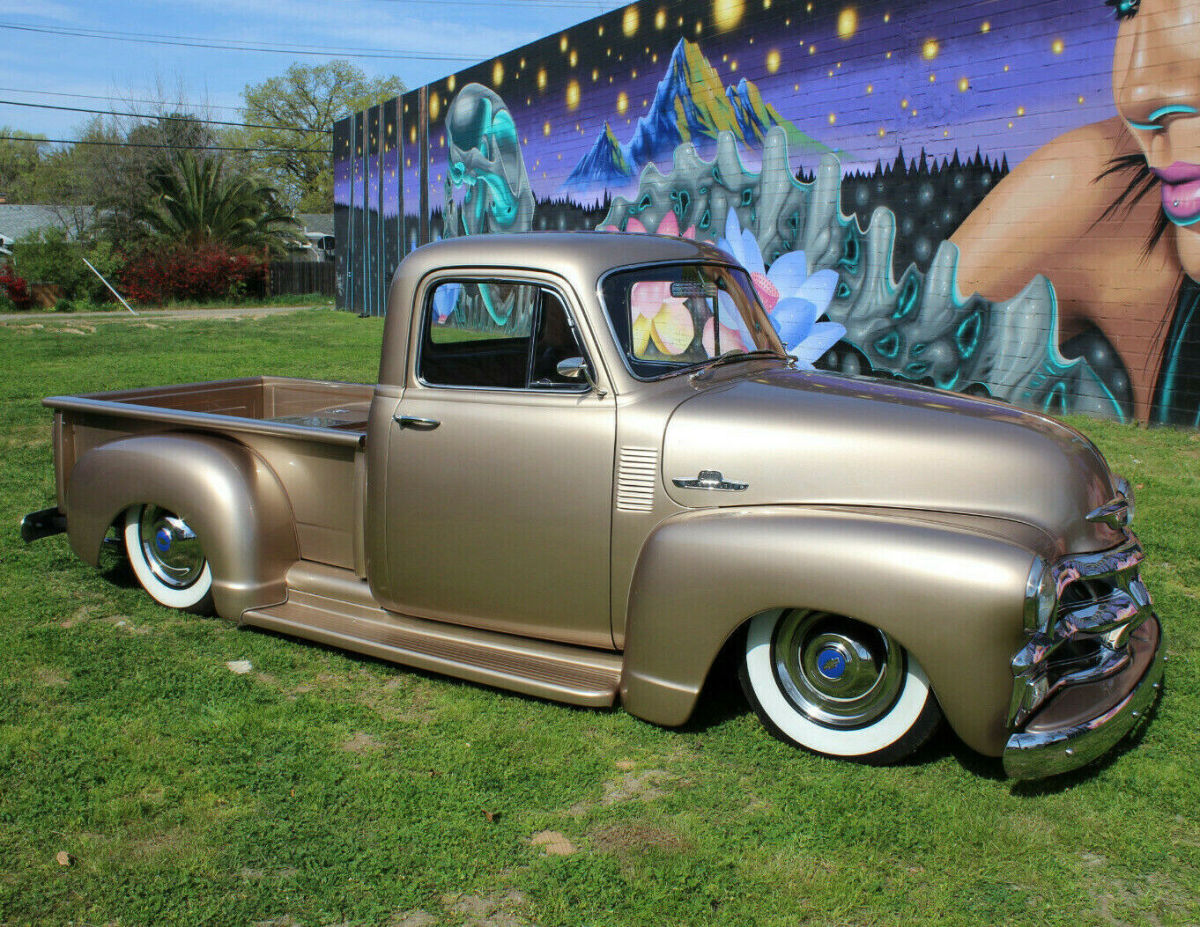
805 437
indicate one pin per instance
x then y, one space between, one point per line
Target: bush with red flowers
182 274
14 289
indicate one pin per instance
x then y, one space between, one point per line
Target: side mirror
573 368
576 368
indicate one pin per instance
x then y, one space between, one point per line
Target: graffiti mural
1039 243
484 164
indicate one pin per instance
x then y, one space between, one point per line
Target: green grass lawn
326 788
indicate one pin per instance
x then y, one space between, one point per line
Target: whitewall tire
167 559
837 686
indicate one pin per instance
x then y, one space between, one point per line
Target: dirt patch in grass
647 785
553 842
399 698
173 842
361 743
495 910
50 676
125 623
414 918
632 838
259 875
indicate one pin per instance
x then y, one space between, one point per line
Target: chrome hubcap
170 547
836 671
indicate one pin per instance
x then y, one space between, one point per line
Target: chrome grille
1101 601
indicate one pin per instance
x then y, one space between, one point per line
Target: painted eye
1124 9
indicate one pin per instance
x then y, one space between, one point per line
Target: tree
20 156
101 185
309 97
195 204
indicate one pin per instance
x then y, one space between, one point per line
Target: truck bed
291 403
310 432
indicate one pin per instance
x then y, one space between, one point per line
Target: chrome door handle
410 421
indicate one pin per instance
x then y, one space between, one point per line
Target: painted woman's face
1156 86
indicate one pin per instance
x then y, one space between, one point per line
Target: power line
92 96
73 141
147 38
213 122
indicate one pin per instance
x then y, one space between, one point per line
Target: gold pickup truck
589 465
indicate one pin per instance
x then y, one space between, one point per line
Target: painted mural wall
996 197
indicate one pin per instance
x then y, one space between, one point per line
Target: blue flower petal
752 258
730 317
445 299
788 273
824 336
819 289
793 318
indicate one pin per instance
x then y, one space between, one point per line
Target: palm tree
193 203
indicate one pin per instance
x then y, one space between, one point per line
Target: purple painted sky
865 78
1014 72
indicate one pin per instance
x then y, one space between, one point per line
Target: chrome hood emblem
709 479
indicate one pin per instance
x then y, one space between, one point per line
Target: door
500 469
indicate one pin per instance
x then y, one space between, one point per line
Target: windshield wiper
729 357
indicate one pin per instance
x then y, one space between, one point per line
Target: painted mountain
690 105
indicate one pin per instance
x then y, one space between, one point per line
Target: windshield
668 318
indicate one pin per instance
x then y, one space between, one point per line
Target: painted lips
1180 192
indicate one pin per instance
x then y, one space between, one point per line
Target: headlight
1041 597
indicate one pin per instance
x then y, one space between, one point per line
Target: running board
333 607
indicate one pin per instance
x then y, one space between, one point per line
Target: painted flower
668 226
735 336
659 317
794 300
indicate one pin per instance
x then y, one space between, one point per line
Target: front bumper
1084 722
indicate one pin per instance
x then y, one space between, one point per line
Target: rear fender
224 491
951 596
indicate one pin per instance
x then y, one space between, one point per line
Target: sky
403 37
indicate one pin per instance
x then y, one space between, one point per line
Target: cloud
58 13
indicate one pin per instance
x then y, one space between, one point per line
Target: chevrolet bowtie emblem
709 479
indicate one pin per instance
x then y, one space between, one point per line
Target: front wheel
167 558
837 686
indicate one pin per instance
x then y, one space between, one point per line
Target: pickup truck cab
589 465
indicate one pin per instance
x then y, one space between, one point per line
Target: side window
478 333
496 334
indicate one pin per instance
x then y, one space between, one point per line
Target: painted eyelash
1155 118
1124 9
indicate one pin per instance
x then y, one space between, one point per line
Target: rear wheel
167 558
837 686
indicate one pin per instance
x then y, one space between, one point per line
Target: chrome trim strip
206 421
1050 753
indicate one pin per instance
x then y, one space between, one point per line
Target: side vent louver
637 471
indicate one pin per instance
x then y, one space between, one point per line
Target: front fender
224 491
952 596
